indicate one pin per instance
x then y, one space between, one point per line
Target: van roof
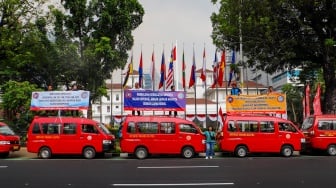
155 118
255 117
62 119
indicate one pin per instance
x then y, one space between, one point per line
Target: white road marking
161 167
170 184
3 166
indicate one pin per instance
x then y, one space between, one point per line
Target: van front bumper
108 146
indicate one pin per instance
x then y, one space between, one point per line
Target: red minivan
9 141
320 132
68 135
144 135
243 134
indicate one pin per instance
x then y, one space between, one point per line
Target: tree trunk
329 102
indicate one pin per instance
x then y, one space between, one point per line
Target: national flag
203 73
232 68
317 101
129 71
307 103
183 71
220 118
215 67
193 71
170 77
162 71
153 70
304 107
221 69
140 72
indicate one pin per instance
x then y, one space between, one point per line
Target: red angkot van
68 135
243 134
320 132
9 141
144 135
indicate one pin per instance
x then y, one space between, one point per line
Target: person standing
210 143
235 90
172 88
136 87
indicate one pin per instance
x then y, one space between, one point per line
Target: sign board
274 103
60 100
154 100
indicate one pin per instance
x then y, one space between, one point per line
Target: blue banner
154 100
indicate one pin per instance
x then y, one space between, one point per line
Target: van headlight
4 142
107 142
303 140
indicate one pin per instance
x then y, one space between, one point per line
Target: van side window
87 128
248 126
187 128
69 128
131 127
267 126
286 127
148 127
51 128
326 125
36 129
231 126
167 128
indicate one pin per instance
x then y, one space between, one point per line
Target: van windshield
5 130
103 128
307 123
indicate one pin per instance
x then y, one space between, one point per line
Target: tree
278 35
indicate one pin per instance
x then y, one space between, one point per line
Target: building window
117 107
108 98
98 108
108 109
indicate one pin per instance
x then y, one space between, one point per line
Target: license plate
15 147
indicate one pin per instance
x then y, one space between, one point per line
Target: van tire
287 151
241 151
44 153
331 150
4 155
188 152
141 153
89 153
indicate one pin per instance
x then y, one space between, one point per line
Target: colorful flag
192 74
221 69
203 73
162 71
304 107
232 68
183 71
140 72
220 118
129 71
317 101
170 77
153 70
307 103
215 67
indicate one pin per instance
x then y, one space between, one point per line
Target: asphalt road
251 172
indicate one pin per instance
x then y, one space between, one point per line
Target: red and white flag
317 101
203 74
307 103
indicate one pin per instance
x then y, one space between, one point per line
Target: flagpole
153 72
205 89
183 81
195 82
176 67
122 93
111 98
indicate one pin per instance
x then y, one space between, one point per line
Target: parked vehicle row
142 136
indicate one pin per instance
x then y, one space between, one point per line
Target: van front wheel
141 153
241 151
287 151
44 153
188 152
331 150
89 153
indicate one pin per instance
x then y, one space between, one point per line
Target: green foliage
281 35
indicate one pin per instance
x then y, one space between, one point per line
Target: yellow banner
269 103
